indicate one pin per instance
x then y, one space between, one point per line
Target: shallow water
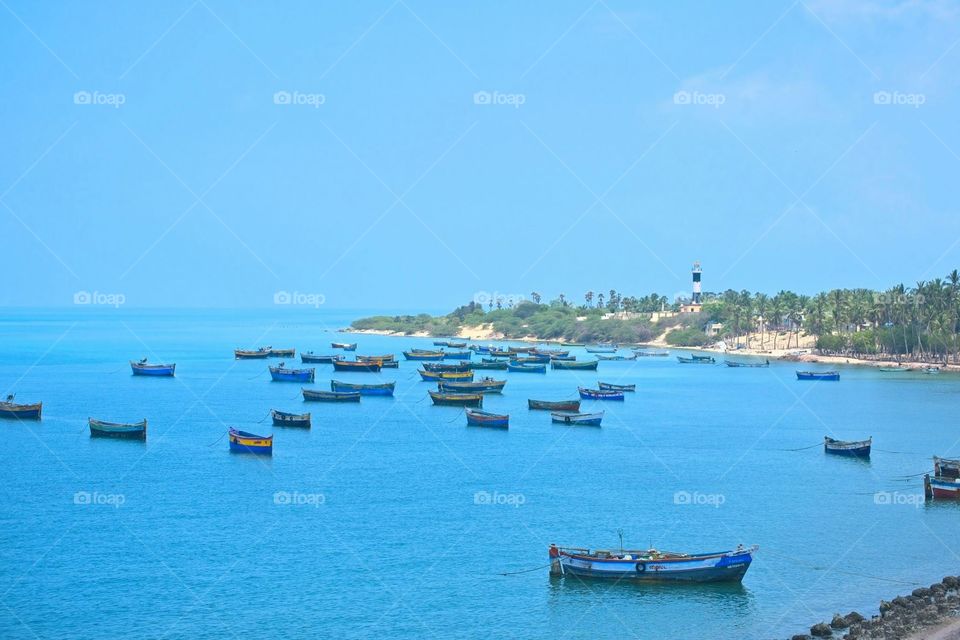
390 531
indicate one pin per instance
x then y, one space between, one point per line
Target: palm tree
588 297
599 300
535 297
761 300
776 314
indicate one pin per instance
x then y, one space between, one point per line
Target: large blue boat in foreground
651 565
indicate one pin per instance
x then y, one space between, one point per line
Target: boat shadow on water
727 593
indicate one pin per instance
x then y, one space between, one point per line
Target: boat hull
241 442
581 366
858 449
581 419
331 396
137 431
283 419
21 412
484 419
153 369
596 394
810 375
364 389
366 367
294 375
559 405
728 566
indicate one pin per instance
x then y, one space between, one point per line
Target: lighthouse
697 292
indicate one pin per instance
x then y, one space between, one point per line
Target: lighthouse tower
697 292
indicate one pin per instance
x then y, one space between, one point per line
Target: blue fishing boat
601 349
285 419
459 367
531 358
10 409
330 396
313 358
245 442
417 354
371 366
383 389
495 364
458 355
696 360
650 565
141 368
577 418
477 418
526 367
854 448
818 375
122 430
600 394
433 376
586 365
484 385
282 374
609 386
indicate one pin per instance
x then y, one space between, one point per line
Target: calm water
399 546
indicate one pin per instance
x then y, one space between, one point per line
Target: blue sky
409 154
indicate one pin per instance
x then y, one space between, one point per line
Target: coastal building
696 303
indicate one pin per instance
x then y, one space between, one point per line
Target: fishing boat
542 351
457 399
260 354
284 419
590 365
531 359
599 394
516 350
494 364
695 360
497 353
383 389
945 483
615 357
141 368
931 371
311 357
431 376
476 348
747 365
310 395
484 385
449 367
897 369
563 358
651 354
387 357
599 349
10 409
818 375
477 418
423 355
122 430
946 467
609 386
526 367
555 405
346 346
577 418
245 442
283 374
457 345
702 358
651 565
854 448
390 364
351 365
572 344
458 355
440 343
282 353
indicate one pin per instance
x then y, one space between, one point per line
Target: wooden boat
122 430
477 418
945 483
484 385
390 364
651 354
747 365
311 357
457 399
897 369
531 359
702 358
499 365
423 355
282 353
609 386
516 350
553 353
310 395
383 389
563 358
590 365
283 374
260 354
946 467
440 343
599 349
141 368
572 344
855 448
387 357
526 368
457 355
245 442
348 365
346 346
599 394
457 345
651 565
555 405
695 360
10 409
431 376
931 371
497 353
818 375
459 367
616 357
284 419
577 418
476 348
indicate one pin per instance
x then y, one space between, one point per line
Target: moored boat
526 367
416 354
601 349
854 448
553 353
11 409
498 365
456 399
746 365
650 565
387 357
945 483
457 345
615 357
500 353
609 386
245 354
587 365
246 442
311 395
383 389
352 365
650 354
311 357
554 405
530 359
284 419
459 367
282 353
931 370
432 376
280 373
577 418
572 344
346 346
478 418
458 355
896 369
599 394
818 375
142 368
484 385
122 430
695 360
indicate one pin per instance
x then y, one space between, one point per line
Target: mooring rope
260 421
218 439
256 376
835 570
819 444
459 413
513 573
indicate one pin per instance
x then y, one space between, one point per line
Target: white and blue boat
818 375
382 389
282 374
651 565
141 368
853 448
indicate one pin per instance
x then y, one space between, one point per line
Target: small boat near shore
310 358
530 359
346 346
616 357
577 418
280 373
650 354
600 349
284 419
572 406
12 410
931 371
311 395
423 355
282 353
818 375
572 344
484 385
526 367
945 483
696 360
458 355
387 357
121 430
246 442
746 365
245 354
609 386
478 418
383 389
498 365
434 376
854 448
353 365
587 365
456 399
142 368
651 565
599 394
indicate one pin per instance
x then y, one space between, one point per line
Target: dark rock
838 622
901 601
885 607
801 636
821 630
853 618
938 589
950 582
921 592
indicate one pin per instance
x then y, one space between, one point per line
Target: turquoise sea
391 518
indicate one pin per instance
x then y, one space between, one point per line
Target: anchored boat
484 385
141 368
330 396
123 430
284 419
282 374
347 365
10 409
311 357
457 399
245 442
599 394
245 354
384 389
282 353
609 386
651 565
818 375
855 448
417 354
558 405
478 418
569 364
747 365
574 417
445 367
696 360
526 367
432 376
